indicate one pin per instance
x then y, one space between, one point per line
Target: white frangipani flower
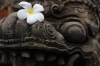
33 14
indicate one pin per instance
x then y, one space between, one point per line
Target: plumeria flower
33 14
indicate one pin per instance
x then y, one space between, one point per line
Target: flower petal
31 19
25 5
22 14
38 8
39 16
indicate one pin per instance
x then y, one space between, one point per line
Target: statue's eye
73 32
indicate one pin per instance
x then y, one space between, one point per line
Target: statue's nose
73 32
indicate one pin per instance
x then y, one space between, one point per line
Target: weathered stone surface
69 35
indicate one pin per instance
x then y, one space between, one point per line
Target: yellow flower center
30 11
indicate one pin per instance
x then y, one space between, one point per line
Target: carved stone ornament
69 35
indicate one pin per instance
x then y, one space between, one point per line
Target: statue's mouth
44 58
37 54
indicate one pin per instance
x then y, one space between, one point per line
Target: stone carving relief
69 35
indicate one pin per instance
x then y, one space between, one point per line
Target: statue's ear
92 29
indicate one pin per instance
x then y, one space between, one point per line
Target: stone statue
69 35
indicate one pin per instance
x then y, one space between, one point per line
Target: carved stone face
79 24
69 36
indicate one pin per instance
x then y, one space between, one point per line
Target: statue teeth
51 58
39 57
17 61
29 62
13 53
25 54
5 57
60 61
